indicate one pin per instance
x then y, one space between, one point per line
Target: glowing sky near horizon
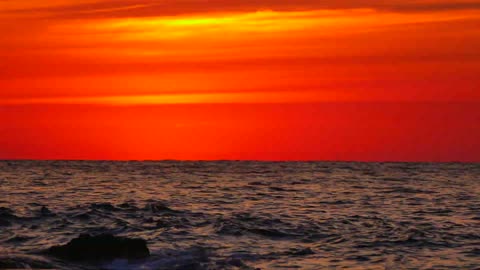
184 65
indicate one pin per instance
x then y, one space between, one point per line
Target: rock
101 248
44 211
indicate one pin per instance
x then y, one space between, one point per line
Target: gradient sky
234 79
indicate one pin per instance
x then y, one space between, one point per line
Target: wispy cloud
142 8
192 98
144 48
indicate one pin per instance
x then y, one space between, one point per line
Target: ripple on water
246 215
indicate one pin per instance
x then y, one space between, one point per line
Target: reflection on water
247 215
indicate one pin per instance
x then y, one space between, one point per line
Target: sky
232 79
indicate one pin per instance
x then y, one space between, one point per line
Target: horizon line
239 160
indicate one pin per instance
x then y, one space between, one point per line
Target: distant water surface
247 215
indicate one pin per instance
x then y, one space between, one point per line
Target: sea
245 214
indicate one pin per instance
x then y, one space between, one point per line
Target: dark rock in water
101 248
44 211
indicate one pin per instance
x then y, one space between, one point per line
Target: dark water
247 215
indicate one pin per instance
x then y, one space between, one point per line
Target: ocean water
246 215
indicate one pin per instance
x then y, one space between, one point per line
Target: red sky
230 79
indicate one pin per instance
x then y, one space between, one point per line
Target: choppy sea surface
246 215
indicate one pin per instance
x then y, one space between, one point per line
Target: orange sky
234 79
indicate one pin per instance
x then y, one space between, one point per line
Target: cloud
142 8
184 98
118 48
